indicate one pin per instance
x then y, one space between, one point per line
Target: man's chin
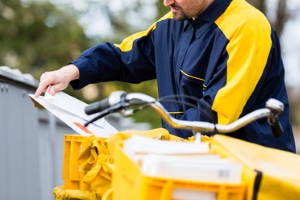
178 17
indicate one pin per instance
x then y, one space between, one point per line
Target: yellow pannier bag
63 194
269 174
97 163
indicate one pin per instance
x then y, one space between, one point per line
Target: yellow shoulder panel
126 44
249 35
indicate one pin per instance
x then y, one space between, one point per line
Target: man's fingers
54 89
58 80
39 91
47 79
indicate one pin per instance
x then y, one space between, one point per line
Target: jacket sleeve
130 61
248 52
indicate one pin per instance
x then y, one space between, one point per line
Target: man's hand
58 80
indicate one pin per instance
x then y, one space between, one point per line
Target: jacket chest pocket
191 85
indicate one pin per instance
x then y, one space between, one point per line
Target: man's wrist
71 72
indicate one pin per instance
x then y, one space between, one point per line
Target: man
223 52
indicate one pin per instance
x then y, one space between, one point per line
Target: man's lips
175 8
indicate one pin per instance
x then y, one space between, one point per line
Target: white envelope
71 111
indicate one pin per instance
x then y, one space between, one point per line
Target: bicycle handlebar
120 102
99 106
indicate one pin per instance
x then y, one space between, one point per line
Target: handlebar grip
97 106
276 128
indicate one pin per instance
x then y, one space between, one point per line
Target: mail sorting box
130 183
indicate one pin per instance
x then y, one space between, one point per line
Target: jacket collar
212 12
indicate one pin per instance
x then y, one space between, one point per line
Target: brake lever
276 108
275 127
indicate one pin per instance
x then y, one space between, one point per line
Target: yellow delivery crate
88 165
85 172
72 174
130 183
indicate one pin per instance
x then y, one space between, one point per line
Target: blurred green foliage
37 36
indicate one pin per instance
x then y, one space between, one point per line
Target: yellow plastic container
85 170
72 175
130 183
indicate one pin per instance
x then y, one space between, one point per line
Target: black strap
256 185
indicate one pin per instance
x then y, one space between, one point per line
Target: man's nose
168 2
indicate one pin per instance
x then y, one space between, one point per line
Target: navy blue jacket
229 58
